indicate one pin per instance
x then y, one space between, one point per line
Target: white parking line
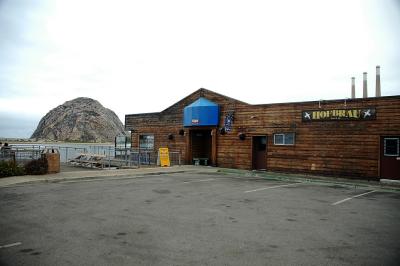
201 180
98 179
11 245
264 188
346 199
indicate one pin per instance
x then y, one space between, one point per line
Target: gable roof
202 102
201 93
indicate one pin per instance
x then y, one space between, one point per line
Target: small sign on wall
228 122
163 155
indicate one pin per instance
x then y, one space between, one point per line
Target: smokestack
353 87
365 89
378 82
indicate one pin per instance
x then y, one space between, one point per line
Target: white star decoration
367 113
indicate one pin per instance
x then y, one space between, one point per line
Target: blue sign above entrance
202 112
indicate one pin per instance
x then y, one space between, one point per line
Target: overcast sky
143 56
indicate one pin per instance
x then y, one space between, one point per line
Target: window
146 142
122 142
391 146
284 139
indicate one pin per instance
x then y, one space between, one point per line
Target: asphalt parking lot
197 219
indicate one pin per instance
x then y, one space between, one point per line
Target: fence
7 155
136 158
111 156
21 154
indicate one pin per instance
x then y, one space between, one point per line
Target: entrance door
390 157
260 153
201 146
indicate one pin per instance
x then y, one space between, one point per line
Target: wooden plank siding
344 148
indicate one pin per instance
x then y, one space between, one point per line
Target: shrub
36 167
10 168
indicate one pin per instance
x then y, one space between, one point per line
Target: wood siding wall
344 148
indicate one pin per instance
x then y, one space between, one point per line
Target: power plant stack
365 86
378 82
353 87
365 89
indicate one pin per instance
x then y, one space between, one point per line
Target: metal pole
125 155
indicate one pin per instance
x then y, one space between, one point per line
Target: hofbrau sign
339 114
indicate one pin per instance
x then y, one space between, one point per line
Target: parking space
198 219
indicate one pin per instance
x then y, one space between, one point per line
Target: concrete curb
93 177
390 182
384 184
92 174
392 185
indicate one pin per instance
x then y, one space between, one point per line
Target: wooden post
188 141
214 147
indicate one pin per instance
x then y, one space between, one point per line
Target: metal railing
7 155
136 159
21 154
111 156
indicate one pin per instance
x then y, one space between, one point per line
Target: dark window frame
384 147
145 145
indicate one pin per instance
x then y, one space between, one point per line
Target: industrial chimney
353 87
365 90
378 82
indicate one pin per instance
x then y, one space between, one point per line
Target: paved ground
87 173
197 218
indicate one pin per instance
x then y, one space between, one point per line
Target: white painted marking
346 199
98 179
201 180
11 245
264 188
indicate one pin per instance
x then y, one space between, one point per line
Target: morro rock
81 120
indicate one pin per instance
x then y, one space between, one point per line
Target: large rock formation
82 119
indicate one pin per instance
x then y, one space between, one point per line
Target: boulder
79 120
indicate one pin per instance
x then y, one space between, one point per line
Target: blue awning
202 112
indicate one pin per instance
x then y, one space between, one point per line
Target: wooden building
354 137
